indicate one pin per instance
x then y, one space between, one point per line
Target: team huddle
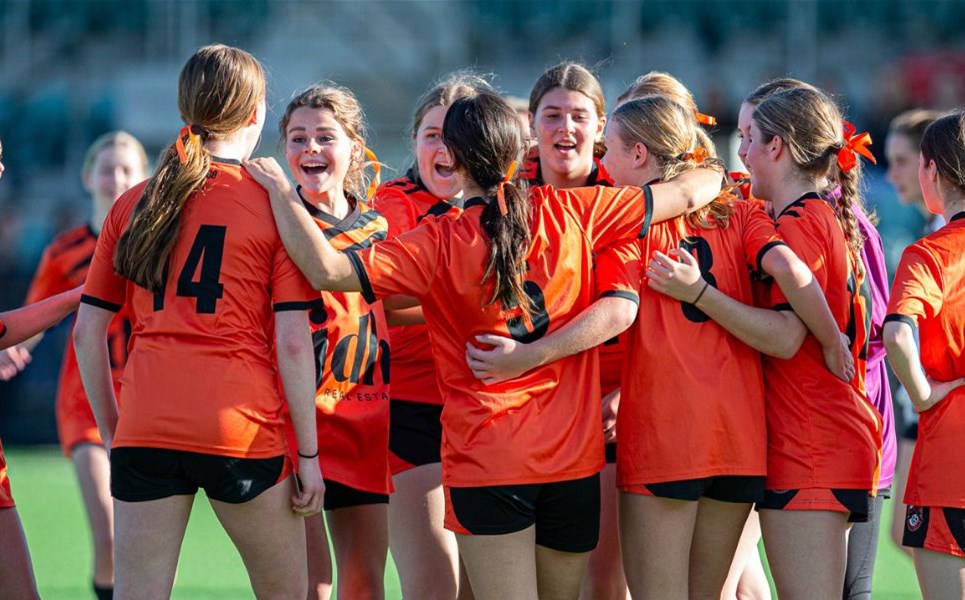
567 355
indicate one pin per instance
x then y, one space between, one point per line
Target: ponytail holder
705 119
854 144
193 132
699 155
377 167
501 191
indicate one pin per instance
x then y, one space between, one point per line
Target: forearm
685 193
768 331
803 292
404 316
601 321
31 320
906 362
296 368
93 360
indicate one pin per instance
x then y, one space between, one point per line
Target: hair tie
854 144
193 132
500 189
377 167
699 155
705 119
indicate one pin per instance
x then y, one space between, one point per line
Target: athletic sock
105 592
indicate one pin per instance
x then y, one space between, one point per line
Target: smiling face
433 161
115 170
619 161
318 150
566 126
758 159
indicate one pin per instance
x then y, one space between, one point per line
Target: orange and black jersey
405 203
200 376
351 365
929 295
685 396
532 172
822 432
545 425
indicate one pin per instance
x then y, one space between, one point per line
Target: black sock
104 592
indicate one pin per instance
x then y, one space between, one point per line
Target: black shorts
142 474
566 513
415 434
744 489
935 528
858 504
610 451
338 495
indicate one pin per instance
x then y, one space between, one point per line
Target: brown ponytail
218 91
483 135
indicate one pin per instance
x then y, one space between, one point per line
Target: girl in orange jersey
824 437
520 458
323 129
193 255
113 164
424 552
928 302
567 115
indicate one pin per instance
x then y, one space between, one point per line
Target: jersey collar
957 216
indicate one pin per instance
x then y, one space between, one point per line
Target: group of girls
739 359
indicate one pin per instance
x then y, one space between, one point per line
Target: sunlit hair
669 132
113 139
459 84
810 125
219 90
483 134
576 78
912 124
347 112
944 143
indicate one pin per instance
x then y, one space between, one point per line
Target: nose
567 123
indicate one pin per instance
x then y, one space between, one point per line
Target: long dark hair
482 133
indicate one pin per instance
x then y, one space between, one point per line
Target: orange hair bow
194 138
705 119
854 144
501 189
699 155
377 167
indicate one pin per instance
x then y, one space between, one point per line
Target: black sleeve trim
648 210
3 329
621 294
764 250
782 306
367 292
85 299
899 318
297 305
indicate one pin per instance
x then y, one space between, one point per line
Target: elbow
625 315
895 336
785 350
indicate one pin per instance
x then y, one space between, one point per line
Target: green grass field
50 506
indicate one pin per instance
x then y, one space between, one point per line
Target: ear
640 154
600 125
932 171
532 123
776 147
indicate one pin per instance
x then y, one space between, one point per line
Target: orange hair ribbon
699 155
377 167
187 130
854 144
501 191
705 119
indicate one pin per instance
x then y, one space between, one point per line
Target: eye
431 136
298 139
325 138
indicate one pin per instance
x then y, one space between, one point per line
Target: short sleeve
610 214
917 290
402 265
104 287
398 211
289 288
47 281
795 233
3 329
618 271
759 233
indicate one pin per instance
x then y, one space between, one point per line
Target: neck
237 146
331 201
471 190
567 180
789 188
953 207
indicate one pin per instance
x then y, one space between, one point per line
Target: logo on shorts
915 518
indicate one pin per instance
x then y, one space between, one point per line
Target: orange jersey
693 394
405 203
3 328
929 294
63 267
351 367
822 432
611 278
545 425
200 377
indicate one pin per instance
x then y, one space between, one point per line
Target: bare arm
685 193
602 320
404 316
905 359
296 367
323 266
24 323
93 358
776 333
